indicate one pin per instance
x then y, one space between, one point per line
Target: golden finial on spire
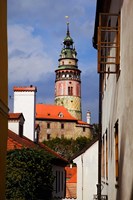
67 17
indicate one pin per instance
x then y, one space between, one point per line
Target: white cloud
28 60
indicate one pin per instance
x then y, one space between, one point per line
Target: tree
95 130
67 147
29 175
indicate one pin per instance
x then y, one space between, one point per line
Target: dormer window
60 114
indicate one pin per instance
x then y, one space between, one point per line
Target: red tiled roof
71 182
46 111
14 116
81 122
71 174
73 179
25 88
12 144
17 142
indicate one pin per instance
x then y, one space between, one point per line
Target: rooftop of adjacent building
15 116
25 88
48 111
55 112
71 182
17 142
71 174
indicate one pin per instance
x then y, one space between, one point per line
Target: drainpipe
82 175
100 138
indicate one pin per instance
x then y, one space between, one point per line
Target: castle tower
67 82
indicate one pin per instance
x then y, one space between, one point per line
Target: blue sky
36 29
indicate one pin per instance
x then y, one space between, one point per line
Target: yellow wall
3 94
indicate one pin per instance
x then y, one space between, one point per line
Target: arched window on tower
70 90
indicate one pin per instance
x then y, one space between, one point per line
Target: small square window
48 136
62 126
48 125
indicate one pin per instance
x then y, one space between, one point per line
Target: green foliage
95 129
67 147
29 175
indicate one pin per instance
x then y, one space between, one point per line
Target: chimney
88 117
25 102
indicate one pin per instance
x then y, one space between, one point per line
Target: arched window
70 90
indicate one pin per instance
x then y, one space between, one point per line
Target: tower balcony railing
68 78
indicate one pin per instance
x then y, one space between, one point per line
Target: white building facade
24 102
87 171
115 68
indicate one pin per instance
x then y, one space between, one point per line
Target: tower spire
68 33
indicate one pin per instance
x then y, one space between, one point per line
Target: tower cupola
68 41
68 50
67 82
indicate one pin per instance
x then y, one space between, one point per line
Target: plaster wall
117 104
70 130
87 173
14 126
62 88
25 102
